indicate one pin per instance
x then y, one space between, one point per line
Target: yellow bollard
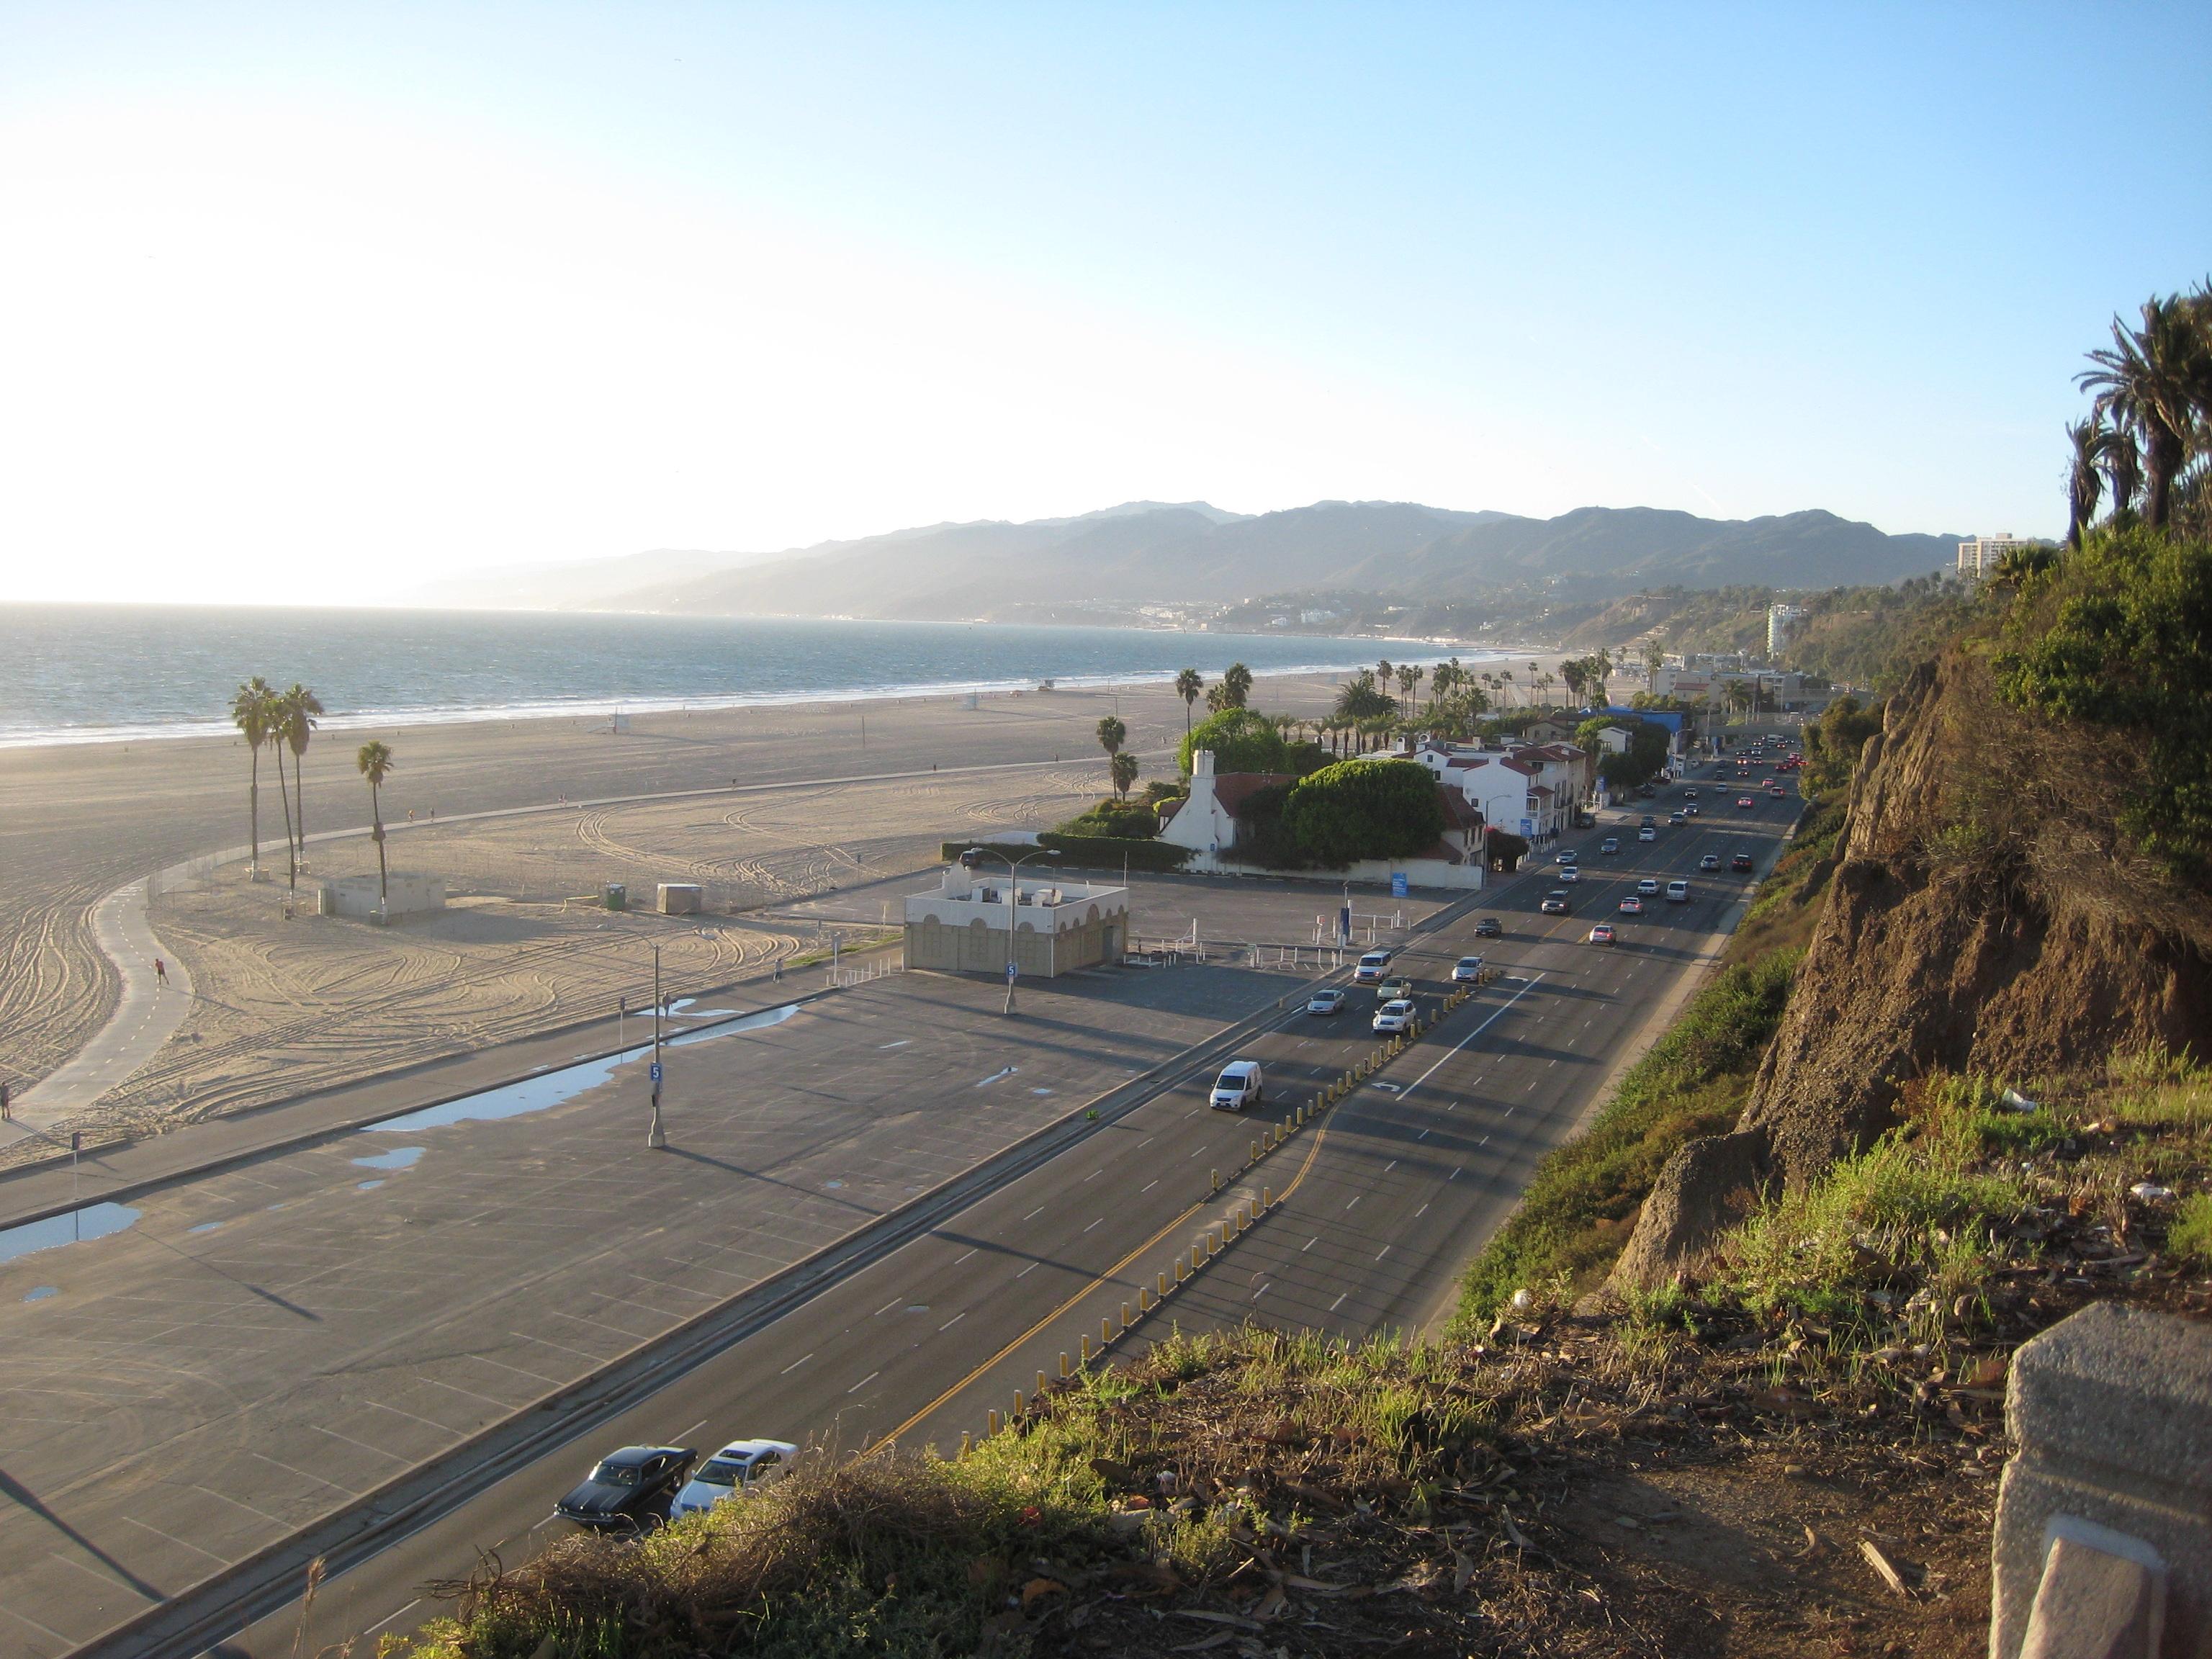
1018 1402
1216 1181
1105 1333
967 1441
1254 1157
1086 1347
1267 1198
990 1424
1164 1285
1040 1387
1125 1313
1179 1273
1066 1369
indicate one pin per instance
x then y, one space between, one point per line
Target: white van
1372 968
1678 892
1239 1085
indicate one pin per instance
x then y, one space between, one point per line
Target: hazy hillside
1192 552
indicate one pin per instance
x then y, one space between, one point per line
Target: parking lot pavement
249 1349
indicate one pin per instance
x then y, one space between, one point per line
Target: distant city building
1782 621
1978 557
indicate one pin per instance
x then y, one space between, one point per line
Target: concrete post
2104 1528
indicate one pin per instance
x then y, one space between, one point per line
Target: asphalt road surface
1388 1196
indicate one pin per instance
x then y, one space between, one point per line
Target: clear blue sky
396 289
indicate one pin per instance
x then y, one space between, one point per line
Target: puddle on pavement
538 1094
76 1227
399 1158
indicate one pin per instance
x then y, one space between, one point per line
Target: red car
1740 862
1745 802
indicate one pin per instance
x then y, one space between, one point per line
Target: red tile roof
1233 789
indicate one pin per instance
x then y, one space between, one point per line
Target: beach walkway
146 1017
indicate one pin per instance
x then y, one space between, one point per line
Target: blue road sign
1013 971
1397 884
656 1071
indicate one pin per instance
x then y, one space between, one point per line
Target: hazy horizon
328 305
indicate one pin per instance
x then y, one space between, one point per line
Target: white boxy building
1058 925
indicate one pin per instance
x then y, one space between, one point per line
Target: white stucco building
1057 925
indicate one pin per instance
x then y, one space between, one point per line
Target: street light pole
655 1137
1013 901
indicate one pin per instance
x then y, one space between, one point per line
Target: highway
1389 1194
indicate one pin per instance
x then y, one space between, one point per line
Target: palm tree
1654 659
2089 441
1237 684
276 741
375 762
1122 768
249 713
1189 684
1741 696
301 710
1383 672
1112 734
2122 470
1409 675
2153 381
2021 565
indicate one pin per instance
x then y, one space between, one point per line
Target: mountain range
1192 553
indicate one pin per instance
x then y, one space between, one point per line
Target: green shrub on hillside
2118 636
1125 820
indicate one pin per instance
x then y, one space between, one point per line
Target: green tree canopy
1241 739
1365 809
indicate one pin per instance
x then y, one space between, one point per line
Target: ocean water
103 673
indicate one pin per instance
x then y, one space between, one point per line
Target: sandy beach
283 1005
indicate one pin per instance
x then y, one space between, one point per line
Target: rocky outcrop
1984 917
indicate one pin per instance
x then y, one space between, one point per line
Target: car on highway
1648 822
1328 1001
1631 905
1240 1085
1648 832
1554 903
1571 875
729 1472
1609 846
1649 886
1776 791
1689 794
1678 892
1740 862
1568 856
1398 985
1602 934
1372 968
1490 927
1394 1016
629 1489
1466 970
1678 815
1690 811
1710 861
1745 802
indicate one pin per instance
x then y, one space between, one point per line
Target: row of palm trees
2147 439
284 722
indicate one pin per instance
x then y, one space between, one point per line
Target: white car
1239 1085
1393 1016
1372 968
1466 970
734 1470
1678 892
1648 887
1571 875
1328 1001
1647 833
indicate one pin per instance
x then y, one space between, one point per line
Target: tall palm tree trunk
291 847
254 817
376 818
299 791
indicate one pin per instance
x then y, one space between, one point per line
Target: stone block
2103 1596
2112 1412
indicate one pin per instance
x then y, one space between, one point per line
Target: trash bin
617 896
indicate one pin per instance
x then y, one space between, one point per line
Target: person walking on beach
7 1106
160 974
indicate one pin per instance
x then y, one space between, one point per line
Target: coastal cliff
1986 916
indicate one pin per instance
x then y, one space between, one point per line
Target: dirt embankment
1985 916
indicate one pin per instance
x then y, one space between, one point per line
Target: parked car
1328 1001
1398 985
1649 886
1602 934
1372 968
1647 833
1710 861
1466 970
629 1490
1554 903
1678 892
735 1469
1489 927
1609 846
1631 905
1394 1016
1740 862
1239 1085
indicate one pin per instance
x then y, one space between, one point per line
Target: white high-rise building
1978 557
1781 621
